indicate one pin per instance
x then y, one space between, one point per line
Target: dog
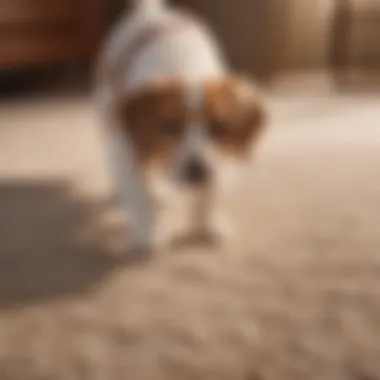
179 124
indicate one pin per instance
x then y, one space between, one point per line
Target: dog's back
155 40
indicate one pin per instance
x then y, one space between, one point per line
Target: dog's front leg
133 194
208 225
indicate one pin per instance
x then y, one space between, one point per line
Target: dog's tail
149 5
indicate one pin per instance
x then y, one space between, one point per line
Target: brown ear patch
234 113
157 116
154 117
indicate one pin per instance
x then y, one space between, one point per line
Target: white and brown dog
178 123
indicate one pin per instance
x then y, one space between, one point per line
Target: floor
297 298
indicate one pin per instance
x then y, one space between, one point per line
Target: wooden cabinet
46 31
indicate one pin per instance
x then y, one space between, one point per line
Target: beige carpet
299 298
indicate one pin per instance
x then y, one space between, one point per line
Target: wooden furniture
50 31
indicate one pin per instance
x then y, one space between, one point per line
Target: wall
265 37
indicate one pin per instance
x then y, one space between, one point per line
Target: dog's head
194 132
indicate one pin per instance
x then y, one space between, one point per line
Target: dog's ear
134 110
251 112
143 113
252 105
136 117
145 107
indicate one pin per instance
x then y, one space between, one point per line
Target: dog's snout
195 171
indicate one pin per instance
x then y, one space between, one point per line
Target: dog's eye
218 128
171 128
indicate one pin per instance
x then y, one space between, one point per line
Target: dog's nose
195 171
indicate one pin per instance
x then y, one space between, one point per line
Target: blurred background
268 38
299 295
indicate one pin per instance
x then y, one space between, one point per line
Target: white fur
189 53
148 5
192 53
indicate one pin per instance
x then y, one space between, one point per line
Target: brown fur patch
157 117
234 114
147 113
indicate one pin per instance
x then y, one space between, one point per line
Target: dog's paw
219 233
158 241
223 231
163 238
139 250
